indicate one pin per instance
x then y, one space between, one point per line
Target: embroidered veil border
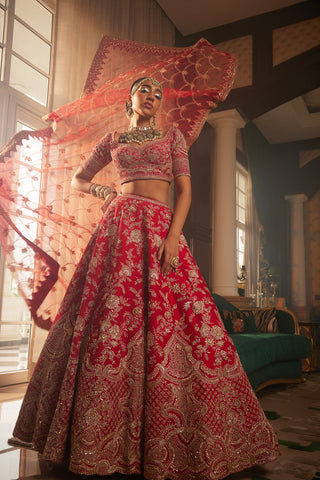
45 225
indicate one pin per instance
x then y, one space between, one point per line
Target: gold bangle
92 189
107 191
100 191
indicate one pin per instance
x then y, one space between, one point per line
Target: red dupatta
45 224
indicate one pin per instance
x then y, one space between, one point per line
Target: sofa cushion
266 320
285 321
237 321
259 349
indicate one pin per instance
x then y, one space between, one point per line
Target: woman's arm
99 158
169 247
81 180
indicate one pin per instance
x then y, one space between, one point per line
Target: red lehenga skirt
138 374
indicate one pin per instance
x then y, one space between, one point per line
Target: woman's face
146 100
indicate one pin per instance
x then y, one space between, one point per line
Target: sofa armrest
287 321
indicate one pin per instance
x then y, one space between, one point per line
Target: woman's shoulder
105 139
173 132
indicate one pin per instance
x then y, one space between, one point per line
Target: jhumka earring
129 109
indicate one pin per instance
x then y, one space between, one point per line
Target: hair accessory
137 85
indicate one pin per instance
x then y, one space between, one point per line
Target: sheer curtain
194 79
80 26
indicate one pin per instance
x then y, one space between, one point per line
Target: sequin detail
138 374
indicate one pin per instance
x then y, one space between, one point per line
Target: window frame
240 225
35 106
16 107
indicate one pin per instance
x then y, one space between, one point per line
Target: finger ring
174 262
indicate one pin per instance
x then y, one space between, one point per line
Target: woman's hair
135 84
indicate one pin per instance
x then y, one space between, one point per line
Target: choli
163 159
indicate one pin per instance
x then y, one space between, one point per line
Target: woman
138 374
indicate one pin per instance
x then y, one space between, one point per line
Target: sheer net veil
45 225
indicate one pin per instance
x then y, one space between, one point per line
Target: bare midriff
155 189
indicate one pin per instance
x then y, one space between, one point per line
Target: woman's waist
157 190
144 199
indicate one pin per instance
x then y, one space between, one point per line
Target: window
26 43
31 49
2 24
15 321
241 201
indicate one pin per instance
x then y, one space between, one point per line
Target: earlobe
129 106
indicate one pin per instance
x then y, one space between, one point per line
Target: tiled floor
13 358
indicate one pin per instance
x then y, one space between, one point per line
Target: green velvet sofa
267 358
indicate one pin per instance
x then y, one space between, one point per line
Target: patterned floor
294 411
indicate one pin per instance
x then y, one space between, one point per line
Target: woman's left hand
167 251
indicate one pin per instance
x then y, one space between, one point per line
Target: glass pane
3 2
241 240
240 248
31 47
15 328
35 15
242 182
1 24
28 81
242 200
242 215
22 126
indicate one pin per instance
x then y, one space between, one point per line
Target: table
312 331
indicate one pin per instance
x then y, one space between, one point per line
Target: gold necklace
139 135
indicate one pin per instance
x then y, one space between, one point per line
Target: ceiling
192 16
298 119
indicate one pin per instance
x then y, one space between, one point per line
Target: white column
297 250
223 201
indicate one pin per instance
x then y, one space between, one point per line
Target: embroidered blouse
163 158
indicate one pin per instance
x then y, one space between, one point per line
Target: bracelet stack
100 191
